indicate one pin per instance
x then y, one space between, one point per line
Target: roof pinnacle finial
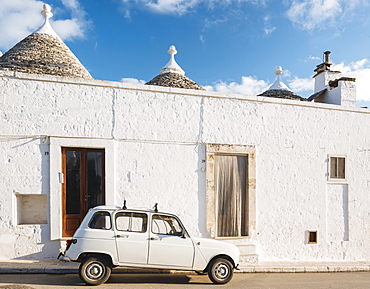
172 65
47 11
172 51
46 27
278 84
279 70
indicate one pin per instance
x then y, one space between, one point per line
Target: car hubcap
222 271
95 271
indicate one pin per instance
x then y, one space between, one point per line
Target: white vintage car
111 236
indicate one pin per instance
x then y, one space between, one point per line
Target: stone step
248 259
247 249
239 241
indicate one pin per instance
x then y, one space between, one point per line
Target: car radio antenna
155 207
124 205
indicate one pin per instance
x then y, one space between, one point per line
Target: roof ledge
334 83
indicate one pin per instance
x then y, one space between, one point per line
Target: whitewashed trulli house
282 177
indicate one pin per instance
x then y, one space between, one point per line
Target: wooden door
83 186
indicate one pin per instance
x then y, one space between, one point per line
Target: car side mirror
183 234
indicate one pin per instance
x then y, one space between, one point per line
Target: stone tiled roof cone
43 52
172 75
279 89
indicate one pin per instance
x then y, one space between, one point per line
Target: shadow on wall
36 239
32 229
202 200
202 177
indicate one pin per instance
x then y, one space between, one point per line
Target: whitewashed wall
155 140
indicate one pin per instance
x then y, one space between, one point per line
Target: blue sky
224 45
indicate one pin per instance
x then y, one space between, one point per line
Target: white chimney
334 88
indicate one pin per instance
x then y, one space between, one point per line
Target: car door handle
122 236
154 238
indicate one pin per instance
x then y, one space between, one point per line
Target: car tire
94 270
220 271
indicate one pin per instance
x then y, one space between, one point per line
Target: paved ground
58 267
36 274
347 280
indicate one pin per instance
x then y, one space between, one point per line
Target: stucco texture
156 141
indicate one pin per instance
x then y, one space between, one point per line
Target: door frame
83 185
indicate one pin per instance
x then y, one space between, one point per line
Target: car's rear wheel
94 270
220 271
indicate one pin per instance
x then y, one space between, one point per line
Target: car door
168 243
131 234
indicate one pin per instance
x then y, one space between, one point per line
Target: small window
131 222
166 225
337 168
312 237
101 220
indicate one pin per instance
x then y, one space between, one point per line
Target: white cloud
268 27
208 87
69 29
19 18
181 7
301 84
71 4
210 23
132 80
252 86
313 58
311 14
269 30
249 85
172 6
201 38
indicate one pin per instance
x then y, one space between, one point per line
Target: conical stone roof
171 79
281 93
172 75
279 89
43 52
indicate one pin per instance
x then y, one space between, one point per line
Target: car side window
166 225
101 220
131 222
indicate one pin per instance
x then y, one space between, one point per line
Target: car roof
116 208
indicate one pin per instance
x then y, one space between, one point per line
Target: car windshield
166 225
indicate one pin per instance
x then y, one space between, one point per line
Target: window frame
102 213
121 213
333 179
183 230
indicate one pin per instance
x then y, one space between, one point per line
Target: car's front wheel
220 271
94 270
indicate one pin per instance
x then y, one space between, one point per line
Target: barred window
337 167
